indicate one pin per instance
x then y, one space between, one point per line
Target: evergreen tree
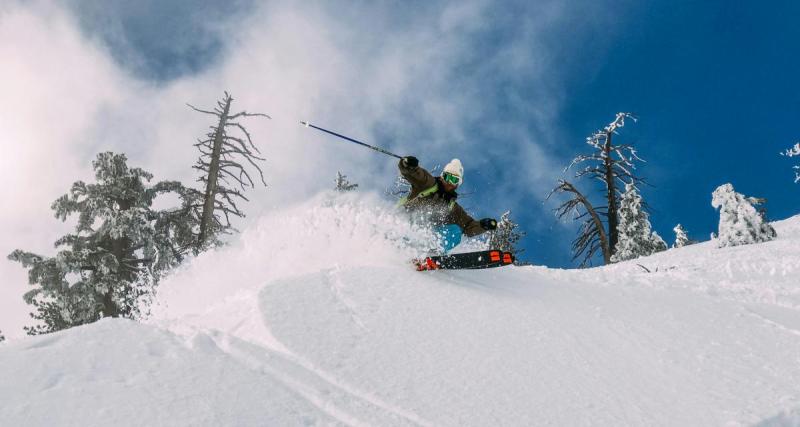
681 237
506 236
342 184
792 152
2 338
659 245
636 237
611 164
739 222
111 264
222 155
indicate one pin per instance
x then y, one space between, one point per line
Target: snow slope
313 317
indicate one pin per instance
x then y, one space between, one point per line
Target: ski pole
378 149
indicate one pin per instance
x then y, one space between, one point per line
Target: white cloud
53 84
422 77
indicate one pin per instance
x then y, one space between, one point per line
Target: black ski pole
378 149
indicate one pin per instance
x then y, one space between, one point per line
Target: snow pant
449 236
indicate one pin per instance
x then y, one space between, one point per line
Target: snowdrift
315 317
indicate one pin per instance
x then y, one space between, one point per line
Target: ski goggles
451 179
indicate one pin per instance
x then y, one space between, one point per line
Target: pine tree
2 338
220 162
342 184
739 222
611 164
658 244
636 237
111 264
792 152
506 236
681 237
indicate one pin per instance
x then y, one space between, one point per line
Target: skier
434 198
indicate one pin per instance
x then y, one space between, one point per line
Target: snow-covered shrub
794 151
636 237
506 236
343 184
739 222
681 237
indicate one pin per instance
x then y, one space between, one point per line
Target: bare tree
592 235
221 158
613 165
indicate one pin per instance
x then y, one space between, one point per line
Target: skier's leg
449 236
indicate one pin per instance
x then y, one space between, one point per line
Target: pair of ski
465 261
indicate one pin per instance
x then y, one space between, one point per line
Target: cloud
439 80
54 85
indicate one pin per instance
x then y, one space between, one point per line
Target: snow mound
330 230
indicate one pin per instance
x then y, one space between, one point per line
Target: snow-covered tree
111 264
222 155
636 237
342 184
681 237
739 222
507 235
659 245
612 165
792 152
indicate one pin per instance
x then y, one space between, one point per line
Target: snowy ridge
313 317
766 273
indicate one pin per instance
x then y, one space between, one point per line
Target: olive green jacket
428 195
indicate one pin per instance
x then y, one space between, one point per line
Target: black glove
410 162
488 224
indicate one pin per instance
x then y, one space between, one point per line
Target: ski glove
410 162
488 224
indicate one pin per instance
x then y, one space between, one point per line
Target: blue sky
716 87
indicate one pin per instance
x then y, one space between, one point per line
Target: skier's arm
468 225
419 178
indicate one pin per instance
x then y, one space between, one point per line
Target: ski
465 261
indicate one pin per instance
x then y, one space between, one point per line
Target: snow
313 317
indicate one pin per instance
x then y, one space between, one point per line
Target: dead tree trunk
220 163
606 163
611 196
213 174
592 235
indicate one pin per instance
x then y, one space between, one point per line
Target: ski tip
304 123
426 264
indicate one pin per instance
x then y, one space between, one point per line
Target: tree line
110 265
122 246
614 225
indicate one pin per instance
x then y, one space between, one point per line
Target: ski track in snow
314 320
